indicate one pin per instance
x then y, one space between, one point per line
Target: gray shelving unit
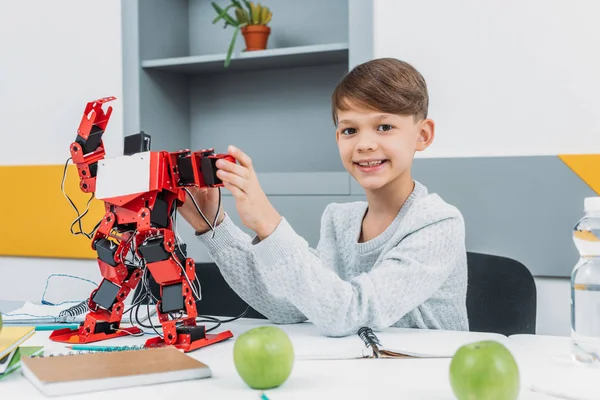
273 104
289 57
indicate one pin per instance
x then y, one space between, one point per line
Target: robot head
137 143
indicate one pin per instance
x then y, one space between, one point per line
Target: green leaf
242 16
231 46
222 12
230 20
247 3
219 11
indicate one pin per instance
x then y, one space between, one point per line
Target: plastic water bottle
585 286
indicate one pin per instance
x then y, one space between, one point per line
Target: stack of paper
32 313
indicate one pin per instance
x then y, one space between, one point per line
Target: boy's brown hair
384 84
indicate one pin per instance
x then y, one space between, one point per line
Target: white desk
323 379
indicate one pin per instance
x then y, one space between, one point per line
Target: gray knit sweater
414 274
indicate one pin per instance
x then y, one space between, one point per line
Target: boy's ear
426 134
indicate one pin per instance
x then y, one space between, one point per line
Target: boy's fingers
233 168
242 157
235 191
236 180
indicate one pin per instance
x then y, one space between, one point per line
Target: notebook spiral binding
371 340
76 310
108 350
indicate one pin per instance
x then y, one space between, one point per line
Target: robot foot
189 339
75 336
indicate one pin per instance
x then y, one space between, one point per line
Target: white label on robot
123 176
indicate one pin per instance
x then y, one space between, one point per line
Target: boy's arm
231 249
407 277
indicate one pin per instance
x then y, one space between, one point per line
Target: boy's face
378 148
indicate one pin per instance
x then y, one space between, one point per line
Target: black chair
501 295
218 299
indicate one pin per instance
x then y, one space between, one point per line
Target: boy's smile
377 148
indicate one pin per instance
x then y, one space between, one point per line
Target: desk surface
322 379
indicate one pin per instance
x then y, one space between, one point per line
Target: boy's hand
254 208
208 202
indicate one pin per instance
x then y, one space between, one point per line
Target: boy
398 259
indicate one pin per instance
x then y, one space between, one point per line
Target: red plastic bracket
187 347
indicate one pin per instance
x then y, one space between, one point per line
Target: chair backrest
501 295
218 299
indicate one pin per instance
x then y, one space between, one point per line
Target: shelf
300 56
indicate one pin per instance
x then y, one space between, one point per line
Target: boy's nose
366 146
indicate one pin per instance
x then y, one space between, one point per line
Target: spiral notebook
59 375
418 343
33 313
309 344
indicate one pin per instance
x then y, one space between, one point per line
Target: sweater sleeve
231 249
406 277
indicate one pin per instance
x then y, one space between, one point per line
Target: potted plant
251 19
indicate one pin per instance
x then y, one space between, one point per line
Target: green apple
484 370
264 357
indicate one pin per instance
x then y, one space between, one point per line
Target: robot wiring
131 259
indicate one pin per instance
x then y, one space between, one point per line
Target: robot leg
175 274
106 303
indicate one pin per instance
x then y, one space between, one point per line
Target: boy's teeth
371 163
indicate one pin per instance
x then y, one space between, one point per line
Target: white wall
508 78
56 56
512 77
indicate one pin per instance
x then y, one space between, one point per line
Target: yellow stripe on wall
586 166
36 216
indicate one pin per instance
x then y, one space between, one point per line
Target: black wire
79 216
198 208
220 321
238 317
217 214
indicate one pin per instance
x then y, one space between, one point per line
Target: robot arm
197 168
88 148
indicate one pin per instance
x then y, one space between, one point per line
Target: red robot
141 191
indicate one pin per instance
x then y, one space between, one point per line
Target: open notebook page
309 344
430 342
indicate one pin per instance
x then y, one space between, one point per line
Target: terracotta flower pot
256 36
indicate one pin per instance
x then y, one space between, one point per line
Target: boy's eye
348 131
384 127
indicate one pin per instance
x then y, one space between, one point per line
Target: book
59 375
15 362
6 360
309 344
12 336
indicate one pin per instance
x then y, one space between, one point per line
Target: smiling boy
396 259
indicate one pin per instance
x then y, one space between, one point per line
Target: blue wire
47 303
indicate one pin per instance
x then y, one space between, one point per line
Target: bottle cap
591 204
